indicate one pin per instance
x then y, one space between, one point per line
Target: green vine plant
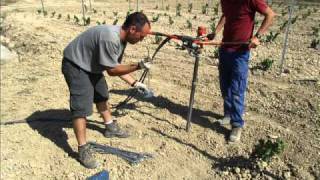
212 18
100 23
216 9
59 16
76 19
155 18
316 41
189 24
115 21
216 53
316 31
156 7
94 10
266 149
283 25
271 37
256 22
167 8
170 20
315 44
213 26
266 64
157 39
304 16
194 17
178 9
189 7
68 17
315 10
115 14
294 20
52 14
205 8
45 13
104 12
86 21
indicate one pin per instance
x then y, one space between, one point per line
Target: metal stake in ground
42 6
137 6
90 5
285 46
83 15
193 87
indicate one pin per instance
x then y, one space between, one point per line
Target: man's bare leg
85 154
79 128
104 110
112 128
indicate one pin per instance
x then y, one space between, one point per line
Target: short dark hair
137 19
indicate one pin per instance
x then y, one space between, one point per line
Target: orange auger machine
193 45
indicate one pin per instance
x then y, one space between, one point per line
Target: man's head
136 27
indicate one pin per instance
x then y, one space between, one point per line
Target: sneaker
225 120
86 158
235 134
113 130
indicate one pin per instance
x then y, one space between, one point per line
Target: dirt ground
285 106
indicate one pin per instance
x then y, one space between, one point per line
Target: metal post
162 7
285 46
42 6
83 14
90 5
193 89
137 5
129 5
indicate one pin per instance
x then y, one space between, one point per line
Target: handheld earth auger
193 45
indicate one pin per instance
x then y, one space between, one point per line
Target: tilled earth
285 106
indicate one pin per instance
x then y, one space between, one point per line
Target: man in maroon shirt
238 22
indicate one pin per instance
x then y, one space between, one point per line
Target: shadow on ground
51 123
199 116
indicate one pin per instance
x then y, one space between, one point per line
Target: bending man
98 49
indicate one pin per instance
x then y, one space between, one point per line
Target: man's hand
142 88
144 64
254 42
211 36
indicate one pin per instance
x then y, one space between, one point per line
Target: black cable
142 78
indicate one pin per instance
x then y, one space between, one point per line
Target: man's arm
218 28
128 79
268 18
121 69
221 23
267 21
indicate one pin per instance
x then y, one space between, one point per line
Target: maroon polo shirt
239 24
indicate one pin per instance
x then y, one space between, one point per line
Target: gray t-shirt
96 49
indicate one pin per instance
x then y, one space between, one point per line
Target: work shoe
113 130
86 158
235 134
225 120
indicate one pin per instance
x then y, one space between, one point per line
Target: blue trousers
233 75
